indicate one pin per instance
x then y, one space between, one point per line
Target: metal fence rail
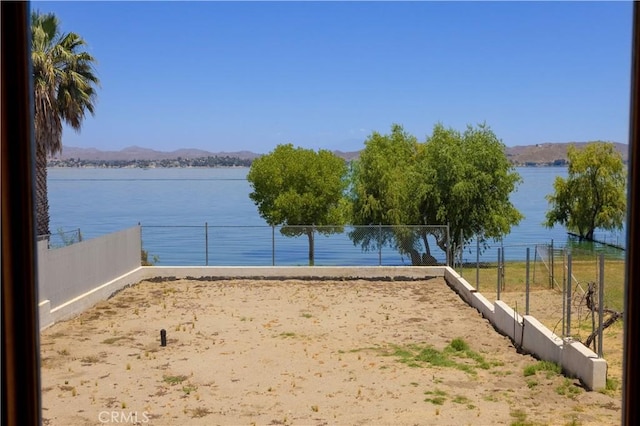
211 245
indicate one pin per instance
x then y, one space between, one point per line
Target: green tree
383 192
470 181
593 195
300 189
64 88
462 180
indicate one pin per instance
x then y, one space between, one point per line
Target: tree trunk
589 235
42 201
311 247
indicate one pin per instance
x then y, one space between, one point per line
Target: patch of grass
491 397
460 399
520 418
90 359
112 340
574 422
174 380
437 398
199 412
306 315
532 384
287 334
188 389
551 369
419 356
568 389
611 386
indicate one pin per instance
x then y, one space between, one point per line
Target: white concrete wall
70 278
335 272
580 361
508 322
528 333
540 340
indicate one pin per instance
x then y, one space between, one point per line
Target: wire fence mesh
552 284
211 245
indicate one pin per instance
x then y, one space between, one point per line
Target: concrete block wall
540 340
533 337
508 322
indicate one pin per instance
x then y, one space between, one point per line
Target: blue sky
229 76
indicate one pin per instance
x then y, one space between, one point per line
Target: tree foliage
462 180
64 87
593 195
301 189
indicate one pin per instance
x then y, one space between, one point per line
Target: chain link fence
574 289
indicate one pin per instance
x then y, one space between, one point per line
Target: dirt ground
244 352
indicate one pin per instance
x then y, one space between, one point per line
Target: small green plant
551 369
568 389
460 399
438 397
519 417
174 380
91 359
112 340
144 258
417 356
611 386
199 412
188 389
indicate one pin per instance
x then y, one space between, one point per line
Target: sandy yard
292 352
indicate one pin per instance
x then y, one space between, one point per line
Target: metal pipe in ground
569 285
600 305
526 310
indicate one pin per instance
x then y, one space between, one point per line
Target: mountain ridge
547 153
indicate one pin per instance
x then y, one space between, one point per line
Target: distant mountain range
538 154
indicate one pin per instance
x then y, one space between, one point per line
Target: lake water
174 204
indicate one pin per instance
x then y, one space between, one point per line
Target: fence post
380 244
502 280
526 304
551 263
79 235
600 305
461 248
569 285
206 244
477 263
564 301
273 245
499 274
535 259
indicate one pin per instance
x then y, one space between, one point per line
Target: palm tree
64 88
